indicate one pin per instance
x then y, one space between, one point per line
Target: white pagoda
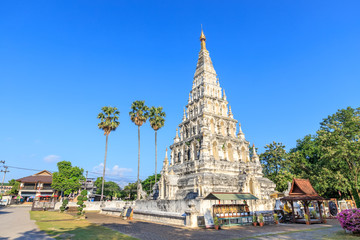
208 153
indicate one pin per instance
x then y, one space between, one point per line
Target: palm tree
157 121
139 114
108 122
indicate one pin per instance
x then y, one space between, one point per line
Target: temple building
209 153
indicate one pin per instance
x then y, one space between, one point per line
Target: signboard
209 221
129 210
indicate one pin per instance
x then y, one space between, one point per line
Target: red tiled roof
35 179
302 187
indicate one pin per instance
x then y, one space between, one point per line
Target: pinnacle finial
254 150
184 116
241 135
202 39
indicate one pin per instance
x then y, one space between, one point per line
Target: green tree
108 122
81 202
67 179
275 165
129 192
12 182
305 162
111 189
139 114
15 187
64 205
149 182
339 136
157 121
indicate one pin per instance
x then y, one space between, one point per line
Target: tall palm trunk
103 179
138 176
155 156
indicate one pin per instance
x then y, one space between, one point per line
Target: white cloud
115 171
115 174
52 158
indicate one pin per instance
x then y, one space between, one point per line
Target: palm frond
108 119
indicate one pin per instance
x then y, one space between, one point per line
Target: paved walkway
15 223
153 231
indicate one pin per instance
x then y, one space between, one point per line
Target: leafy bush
313 213
64 204
350 220
276 218
216 221
81 199
261 218
254 218
307 218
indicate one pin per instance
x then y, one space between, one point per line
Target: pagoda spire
166 162
224 95
176 139
204 66
230 112
255 157
241 135
202 39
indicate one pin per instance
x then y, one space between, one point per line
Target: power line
116 179
29 169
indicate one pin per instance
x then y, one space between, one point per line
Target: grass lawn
65 226
344 236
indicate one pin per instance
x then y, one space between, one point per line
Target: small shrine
231 208
302 190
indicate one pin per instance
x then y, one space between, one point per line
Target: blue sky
285 65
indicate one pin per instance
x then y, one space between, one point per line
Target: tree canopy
108 119
139 113
68 178
15 187
149 182
275 165
339 136
157 118
330 159
111 189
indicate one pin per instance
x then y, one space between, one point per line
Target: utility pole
4 171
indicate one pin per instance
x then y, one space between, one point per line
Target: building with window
35 185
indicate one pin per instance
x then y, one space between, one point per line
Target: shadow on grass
32 234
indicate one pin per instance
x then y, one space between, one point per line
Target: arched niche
224 112
230 152
212 126
215 150
222 129
243 154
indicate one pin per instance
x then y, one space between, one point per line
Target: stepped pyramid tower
208 154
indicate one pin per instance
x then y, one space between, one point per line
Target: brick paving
153 231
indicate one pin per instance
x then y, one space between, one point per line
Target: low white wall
97 206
